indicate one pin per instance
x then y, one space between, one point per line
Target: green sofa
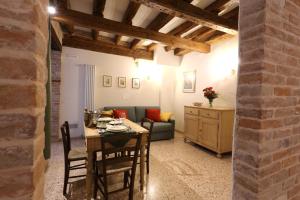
161 130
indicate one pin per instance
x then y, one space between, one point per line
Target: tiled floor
178 170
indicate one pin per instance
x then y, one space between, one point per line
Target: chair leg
148 161
131 186
124 180
95 187
66 180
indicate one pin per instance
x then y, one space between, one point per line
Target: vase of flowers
210 94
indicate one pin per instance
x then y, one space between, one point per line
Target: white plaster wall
161 84
217 69
157 83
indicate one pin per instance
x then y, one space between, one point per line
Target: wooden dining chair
121 145
71 156
147 124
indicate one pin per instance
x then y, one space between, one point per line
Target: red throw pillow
153 114
121 113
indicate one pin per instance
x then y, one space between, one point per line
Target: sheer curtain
89 86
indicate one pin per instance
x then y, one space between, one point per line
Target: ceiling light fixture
51 10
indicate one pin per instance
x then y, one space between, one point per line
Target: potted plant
210 94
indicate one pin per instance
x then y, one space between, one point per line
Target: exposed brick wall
23 74
55 102
266 160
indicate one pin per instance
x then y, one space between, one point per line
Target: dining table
93 144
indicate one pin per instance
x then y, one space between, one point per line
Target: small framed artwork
107 81
122 82
189 81
135 83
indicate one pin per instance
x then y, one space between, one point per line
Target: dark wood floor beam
101 24
104 47
182 9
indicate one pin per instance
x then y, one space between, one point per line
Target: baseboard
178 131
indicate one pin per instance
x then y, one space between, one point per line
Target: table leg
142 167
89 176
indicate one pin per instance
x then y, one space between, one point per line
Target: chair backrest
149 127
65 133
121 145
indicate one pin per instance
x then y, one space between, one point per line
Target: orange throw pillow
153 114
121 114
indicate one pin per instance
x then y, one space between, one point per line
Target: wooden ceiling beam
203 37
203 31
98 9
214 7
65 4
55 42
159 21
219 37
92 22
105 47
182 9
131 11
152 46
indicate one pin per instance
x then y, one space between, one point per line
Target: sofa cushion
140 111
159 126
165 116
130 110
120 113
153 114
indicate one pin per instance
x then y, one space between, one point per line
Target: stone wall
23 74
267 138
55 101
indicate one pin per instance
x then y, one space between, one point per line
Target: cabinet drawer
210 114
191 111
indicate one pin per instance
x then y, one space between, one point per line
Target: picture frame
107 81
189 82
121 82
135 83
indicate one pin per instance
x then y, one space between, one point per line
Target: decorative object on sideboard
122 82
210 94
189 81
197 104
135 83
107 81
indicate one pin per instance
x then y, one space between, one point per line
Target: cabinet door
191 127
210 129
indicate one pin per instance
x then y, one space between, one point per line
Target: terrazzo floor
178 171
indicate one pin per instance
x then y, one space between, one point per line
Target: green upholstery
159 126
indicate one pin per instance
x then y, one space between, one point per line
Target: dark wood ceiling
216 20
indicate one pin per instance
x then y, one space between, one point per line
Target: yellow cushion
107 112
165 116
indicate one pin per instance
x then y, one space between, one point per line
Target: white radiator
89 76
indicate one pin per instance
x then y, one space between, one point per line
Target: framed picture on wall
135 83
107 81
189 81
122 82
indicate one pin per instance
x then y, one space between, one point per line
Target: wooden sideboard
211 128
